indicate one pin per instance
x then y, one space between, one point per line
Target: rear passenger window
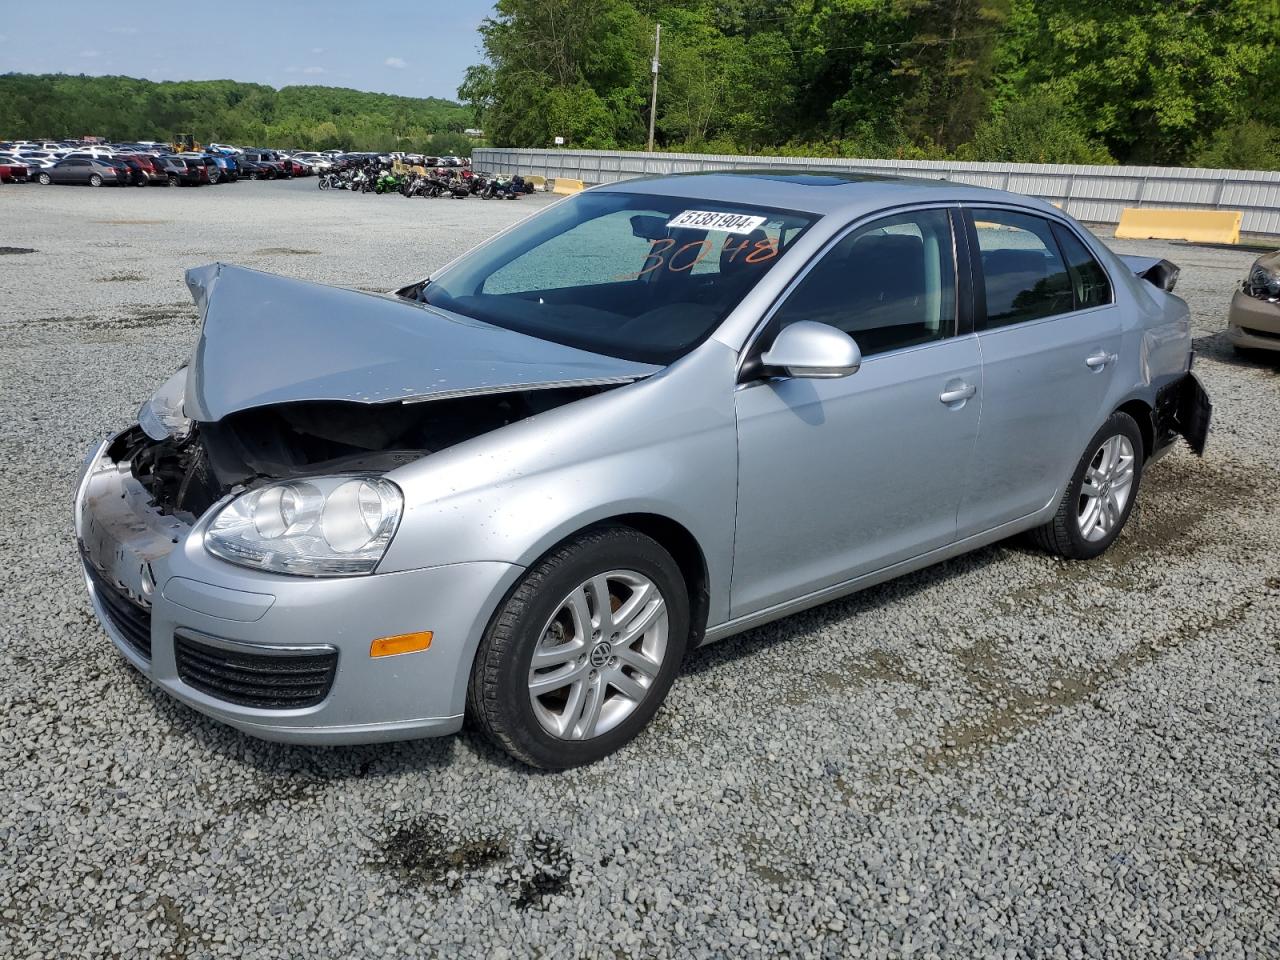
888 285
1089 281
1025 278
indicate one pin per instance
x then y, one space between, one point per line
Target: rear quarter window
1089 282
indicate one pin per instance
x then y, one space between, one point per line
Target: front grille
270 681
131 620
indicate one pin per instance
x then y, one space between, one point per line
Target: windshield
634 276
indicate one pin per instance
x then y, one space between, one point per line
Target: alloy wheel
1108 482
598 655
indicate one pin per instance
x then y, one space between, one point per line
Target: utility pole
653 99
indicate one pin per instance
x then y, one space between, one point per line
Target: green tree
1039 128
1151 80
477 91
1246 145
571 68
125 108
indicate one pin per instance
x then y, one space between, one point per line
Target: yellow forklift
185 143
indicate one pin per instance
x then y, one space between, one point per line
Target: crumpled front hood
267 339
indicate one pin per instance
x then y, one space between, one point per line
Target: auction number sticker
710 220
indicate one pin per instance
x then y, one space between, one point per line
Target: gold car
1254 320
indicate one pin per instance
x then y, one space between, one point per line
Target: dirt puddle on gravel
1181 501
426 853
1021 711
126 318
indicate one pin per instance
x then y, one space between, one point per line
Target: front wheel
1100 495
44 179
582 653
95 181
173 180
323 183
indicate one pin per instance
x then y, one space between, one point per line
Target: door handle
956 394
1099 360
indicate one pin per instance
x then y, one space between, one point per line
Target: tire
255 175
323 183
44 179
1085 525
537 615
174 181
95 180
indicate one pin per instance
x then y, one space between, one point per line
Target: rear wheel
1100 495
582 653
173 180
44 178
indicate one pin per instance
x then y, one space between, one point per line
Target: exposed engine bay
309 438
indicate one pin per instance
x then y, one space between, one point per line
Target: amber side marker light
401 643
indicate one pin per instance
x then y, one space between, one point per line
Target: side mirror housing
814 351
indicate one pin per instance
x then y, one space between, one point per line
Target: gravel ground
1004 756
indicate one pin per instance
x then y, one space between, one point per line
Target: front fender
666 446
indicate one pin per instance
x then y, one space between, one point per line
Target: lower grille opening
130 619
1265 334
271 681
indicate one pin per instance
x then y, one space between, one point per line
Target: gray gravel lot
1004 756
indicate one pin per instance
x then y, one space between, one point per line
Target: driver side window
889 284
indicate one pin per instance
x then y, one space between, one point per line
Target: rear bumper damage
1182 409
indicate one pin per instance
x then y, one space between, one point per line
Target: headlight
161 417
1263 283
319 527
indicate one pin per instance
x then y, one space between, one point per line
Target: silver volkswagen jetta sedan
652 416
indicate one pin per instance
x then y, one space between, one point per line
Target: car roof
816 190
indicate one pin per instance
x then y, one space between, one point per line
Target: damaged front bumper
282 658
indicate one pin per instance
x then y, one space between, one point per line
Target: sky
418 50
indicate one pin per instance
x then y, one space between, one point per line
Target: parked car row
180 163
141 164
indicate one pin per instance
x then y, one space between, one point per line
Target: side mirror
811 350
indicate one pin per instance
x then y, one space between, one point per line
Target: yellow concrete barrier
538 181
1198 226
565 185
